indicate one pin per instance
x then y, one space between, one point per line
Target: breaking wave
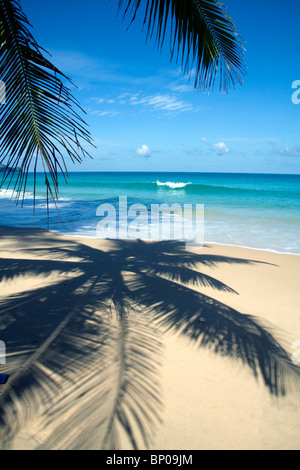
172 185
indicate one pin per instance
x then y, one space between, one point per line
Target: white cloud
103 100
104 113
182 88
159 102
98 100
220 148
164 103
289 152
143 151
87 69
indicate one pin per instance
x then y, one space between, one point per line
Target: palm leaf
38 120
200 32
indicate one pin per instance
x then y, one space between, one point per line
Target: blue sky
144 115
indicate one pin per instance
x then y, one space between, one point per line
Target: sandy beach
132 344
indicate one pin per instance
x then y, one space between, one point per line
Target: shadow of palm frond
91 345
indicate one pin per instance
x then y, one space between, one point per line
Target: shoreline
256 211
75 235
215 354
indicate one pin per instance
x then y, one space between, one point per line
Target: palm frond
39 121
200 32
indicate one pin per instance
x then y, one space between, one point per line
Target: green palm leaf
38 120
201 33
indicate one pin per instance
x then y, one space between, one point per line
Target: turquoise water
255 210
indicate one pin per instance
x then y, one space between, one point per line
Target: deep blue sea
255 210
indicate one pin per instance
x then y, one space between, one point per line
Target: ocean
254 210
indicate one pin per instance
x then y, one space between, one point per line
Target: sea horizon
172 172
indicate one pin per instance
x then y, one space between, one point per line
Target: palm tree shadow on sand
91 341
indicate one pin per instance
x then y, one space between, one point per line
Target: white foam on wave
44 205
172 185
10 194
6 193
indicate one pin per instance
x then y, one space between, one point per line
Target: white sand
77 372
